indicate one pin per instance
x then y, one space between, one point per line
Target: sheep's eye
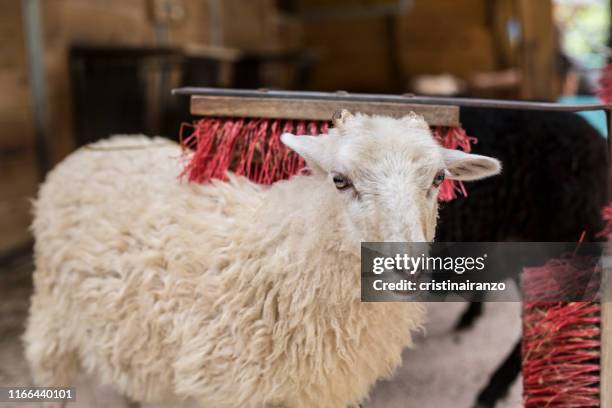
342 182
438 179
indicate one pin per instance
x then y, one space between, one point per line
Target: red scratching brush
241 130
252 148
567 360
605 84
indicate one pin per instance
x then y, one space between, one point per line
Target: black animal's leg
501 380
473 311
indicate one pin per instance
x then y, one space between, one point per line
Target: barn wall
358 58
95 22
442 36
17 155
248 25
447 36
458 37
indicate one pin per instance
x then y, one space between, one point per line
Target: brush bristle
562 340
252 148
605 84
561 351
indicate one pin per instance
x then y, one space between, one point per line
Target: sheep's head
386 173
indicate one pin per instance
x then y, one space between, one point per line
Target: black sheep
553 183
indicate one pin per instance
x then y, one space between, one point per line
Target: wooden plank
303 109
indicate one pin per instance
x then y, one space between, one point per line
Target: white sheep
232 294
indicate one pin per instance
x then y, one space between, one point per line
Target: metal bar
310 109
342 96
38 89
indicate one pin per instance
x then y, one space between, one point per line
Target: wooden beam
304 109
540 78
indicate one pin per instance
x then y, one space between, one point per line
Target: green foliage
584 29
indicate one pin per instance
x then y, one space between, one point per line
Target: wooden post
606 304
538 53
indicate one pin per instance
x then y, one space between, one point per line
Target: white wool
225 295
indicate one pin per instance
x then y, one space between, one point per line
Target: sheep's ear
311 148
464 166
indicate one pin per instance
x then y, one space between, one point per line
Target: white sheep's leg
50 365
53 362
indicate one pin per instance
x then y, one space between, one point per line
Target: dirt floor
445 369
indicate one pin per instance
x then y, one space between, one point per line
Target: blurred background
74 71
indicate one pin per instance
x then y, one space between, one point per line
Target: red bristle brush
562 341
605 84
240 130
251 147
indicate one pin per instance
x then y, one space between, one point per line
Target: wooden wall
447 36
458 37
250 25
18 177
245 25
66 22
353 56
433 37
